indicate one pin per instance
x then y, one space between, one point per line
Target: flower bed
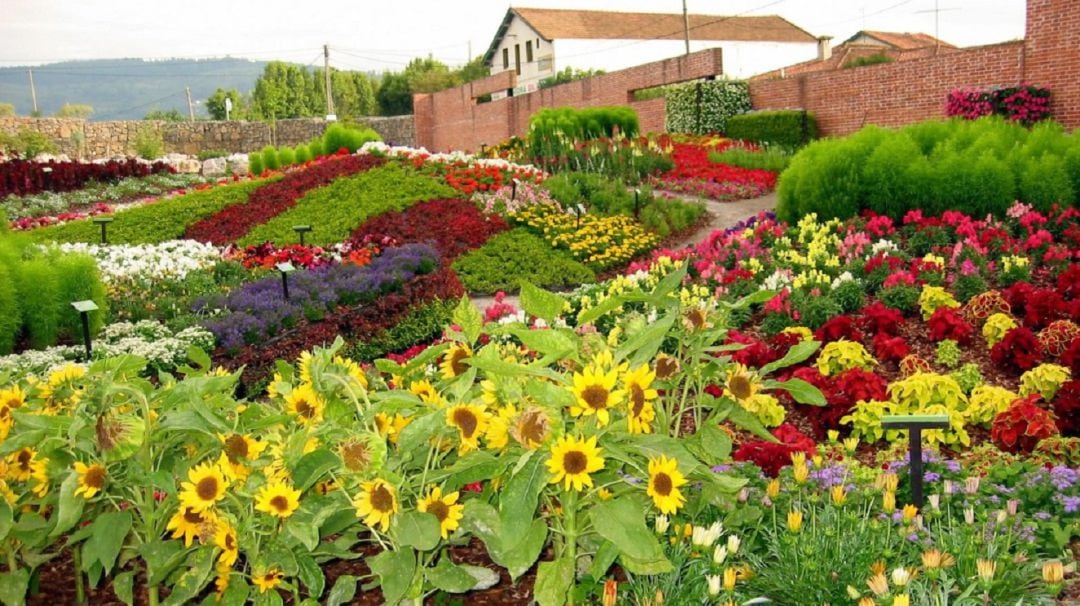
46 204
171 260
24 177
598 242
694 174
453 227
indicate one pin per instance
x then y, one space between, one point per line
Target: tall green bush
270 158
316 147
303 154
705 106
255 163
286 156
39 289
789 128
78 279
10 315
587 123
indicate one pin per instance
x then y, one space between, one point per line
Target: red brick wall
1053 55
451 120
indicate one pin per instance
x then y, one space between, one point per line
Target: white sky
384 34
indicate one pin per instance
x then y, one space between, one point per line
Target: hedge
789 128
516 255
705 106
588 123
978 167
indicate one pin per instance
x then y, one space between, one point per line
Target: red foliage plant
877 318
887 348
1066 406
1020 427
25 177
451 226
1071 357
1020 350
837 328
771 456
947 323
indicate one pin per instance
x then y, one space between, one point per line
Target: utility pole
190 105
326 76
33 91
686 26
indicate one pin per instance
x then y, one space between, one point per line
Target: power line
884 10
147 104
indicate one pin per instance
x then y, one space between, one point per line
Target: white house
538 42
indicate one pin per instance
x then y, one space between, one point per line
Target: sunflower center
193 517
532 427
13 403
438 509
696 318
595 396
666 366
280 503
662 484
466 420
207 488
356 456
230 542
457 361
236 448
95 476
305 409
24 458
575 462
740 387
381 499
637 399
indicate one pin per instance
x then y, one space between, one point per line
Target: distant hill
121 89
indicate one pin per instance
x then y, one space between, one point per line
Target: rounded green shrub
286 156
1045 181
316 147
78 279
303 154
889 187
37 284
270 158
255 163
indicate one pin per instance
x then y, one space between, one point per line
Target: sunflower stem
571 531
76 562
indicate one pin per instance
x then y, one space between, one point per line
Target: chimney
824 48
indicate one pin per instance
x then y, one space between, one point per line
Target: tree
170 115
6 109
474 70
215 105
429 75
74 110
394 96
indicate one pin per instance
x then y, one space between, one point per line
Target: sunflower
352 369
639 397
306 404
595 392
572 460
426 392
453 363
268 579
664 482
226 540
696 319
91 479
741 384
62 387
666 366
471 421
532 427
40 475
21 464
12 398
498 429
444 507
221 581
241 447
376 503
205 486
277 499
363 452
191 523
305 362
391 426
273 390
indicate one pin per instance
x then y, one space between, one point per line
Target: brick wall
1052 57
451 119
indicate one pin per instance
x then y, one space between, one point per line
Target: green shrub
27 144
889 187
10 316
814 310
286 156
586 123
1044 181
604 196
902 297
78 279
874 59
38 286
336 210
705 106
163 220
303 154
149 145
849 295
338 136
664 216
422 324
208 154
255 163
270 158
316 147
771 158
791 128
515 255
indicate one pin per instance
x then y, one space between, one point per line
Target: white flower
706 536
714 584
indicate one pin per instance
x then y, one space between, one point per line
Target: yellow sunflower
498 430
664 482
741 384
376 503
190 523
443 507
361 453
91 479
666 366
471 421
226 540
453 362
241 447
21 464
206 486
595 393
305 362
352 369
426 392
572 460
40 475
639 398
532 427
273 390
277 499
305 404
391 426
267 580
221 581
12 398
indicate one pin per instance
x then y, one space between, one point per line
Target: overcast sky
385 34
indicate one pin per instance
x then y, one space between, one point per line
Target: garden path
722 216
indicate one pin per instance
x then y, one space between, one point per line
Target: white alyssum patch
172 260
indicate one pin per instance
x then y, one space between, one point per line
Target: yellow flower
305 404
901 600
741 385
666 366
730 576
21 464
191 523
445 508
1053 572
12 398
353 370
909 512
935 558
800 472
62 387
986 569
277 499
391 426
572 460
595 393
40 475
91 479
889 481
241 447
453 363
225 539
888 501
306 361
772 489
867 601
426 392
531 428
376 503
664 482
267 580
471 421
839 495
878 583
794 520
221 581
639 397
206 486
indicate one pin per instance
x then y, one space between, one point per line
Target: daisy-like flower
190 523
453 362
206 486
664 482
573 460
361 453
306 404
226 540
445 508
63 387
12 398
267 580
471 421
91 479
277 499
376 503
639 399
596 394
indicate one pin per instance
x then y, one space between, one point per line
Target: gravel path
724 215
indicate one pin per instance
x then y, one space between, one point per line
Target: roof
556 24
901 40
846 53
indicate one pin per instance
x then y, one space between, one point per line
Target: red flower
770 456
1022 425
836 328
877 318
947 323
1066 407
1019 350
888 348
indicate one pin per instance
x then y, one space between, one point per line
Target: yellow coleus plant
1044 379
841 355
934 297
996 327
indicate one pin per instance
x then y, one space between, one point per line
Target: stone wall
87 139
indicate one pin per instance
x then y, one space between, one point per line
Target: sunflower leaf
313 466
622 521
540 303
800 352
553 581
417 529
395 570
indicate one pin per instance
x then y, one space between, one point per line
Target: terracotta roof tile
903 40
